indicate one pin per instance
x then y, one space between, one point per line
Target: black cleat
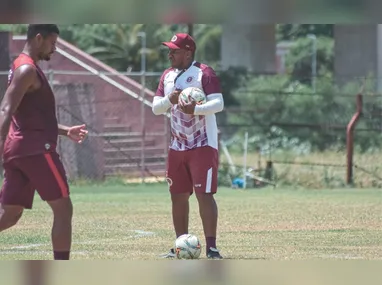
213 253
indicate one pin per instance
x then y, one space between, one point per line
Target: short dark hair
43 29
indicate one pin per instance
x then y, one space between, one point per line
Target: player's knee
62 209
205 197
180 198
16 218
206 200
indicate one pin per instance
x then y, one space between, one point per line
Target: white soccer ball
192 93
187 246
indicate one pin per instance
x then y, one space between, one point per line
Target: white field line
38 252
138 234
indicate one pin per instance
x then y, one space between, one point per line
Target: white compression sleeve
214 104
160 105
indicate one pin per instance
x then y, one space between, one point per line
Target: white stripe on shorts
209 180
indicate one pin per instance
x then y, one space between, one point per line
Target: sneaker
170 254
213 253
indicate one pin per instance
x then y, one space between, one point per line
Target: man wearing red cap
193 156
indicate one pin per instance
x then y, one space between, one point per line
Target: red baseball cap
181 41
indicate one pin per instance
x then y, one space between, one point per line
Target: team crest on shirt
47 146
190 79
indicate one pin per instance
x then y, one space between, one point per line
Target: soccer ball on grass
187 246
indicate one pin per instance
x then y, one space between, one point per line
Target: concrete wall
356 52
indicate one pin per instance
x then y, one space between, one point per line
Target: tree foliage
288 32
289 115
299 60
120 45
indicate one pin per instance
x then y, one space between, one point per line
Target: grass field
134 223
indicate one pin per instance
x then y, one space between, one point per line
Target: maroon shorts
195 169
24 175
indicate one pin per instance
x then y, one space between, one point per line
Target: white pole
143 83
314 64
379 58
228 156
245 159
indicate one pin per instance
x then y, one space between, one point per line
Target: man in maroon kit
28 140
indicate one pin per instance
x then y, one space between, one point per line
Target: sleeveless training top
33 129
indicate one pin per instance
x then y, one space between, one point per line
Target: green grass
134 223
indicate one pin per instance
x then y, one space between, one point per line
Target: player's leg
15 196
47 174
180 187
208 211
180 212
62 227
204 167
9 216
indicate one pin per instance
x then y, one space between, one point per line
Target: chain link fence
125 138
300 139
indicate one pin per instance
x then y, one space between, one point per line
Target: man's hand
77 133
174 96
187 108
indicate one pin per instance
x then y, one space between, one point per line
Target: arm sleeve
160 105
214 104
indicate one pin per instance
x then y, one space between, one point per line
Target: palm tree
208 39
119 45
120 48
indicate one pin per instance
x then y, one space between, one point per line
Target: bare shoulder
25 72
22 81
26 76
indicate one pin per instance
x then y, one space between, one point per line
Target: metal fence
285 139
125 138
